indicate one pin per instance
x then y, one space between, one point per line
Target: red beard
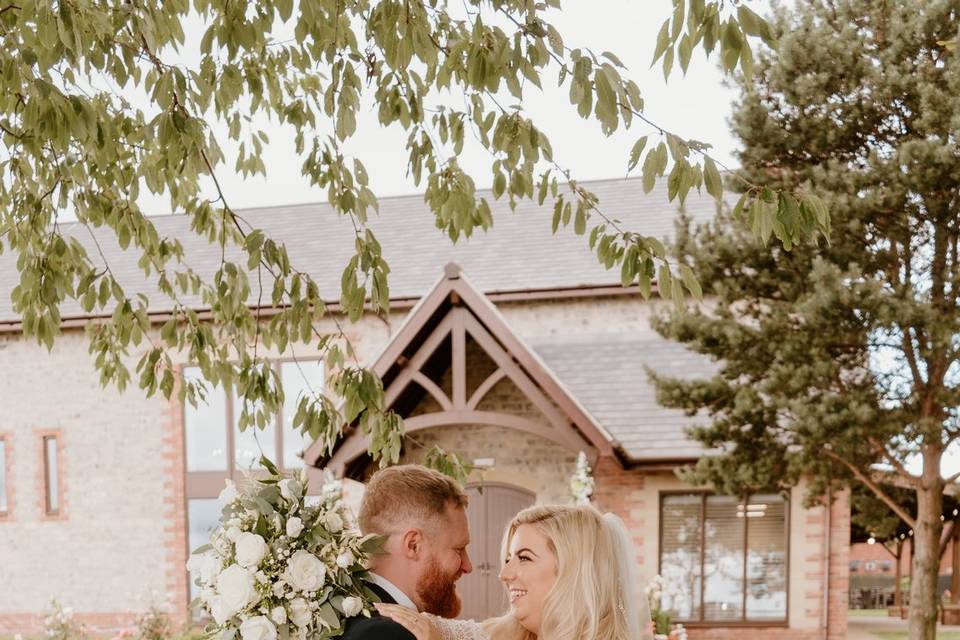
438 591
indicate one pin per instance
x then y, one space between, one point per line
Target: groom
423 513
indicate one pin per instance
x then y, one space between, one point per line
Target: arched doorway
489 512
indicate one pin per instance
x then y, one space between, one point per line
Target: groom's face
445 561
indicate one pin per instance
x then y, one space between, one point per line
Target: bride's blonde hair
592 598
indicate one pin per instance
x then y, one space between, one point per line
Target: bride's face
529 571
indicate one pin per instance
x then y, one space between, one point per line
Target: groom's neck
403 578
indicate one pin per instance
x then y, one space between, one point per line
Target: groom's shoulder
375 628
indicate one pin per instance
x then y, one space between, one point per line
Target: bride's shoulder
458 629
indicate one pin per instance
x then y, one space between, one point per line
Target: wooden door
489 513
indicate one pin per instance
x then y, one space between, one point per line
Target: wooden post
955 572
897 597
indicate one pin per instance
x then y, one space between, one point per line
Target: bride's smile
529 571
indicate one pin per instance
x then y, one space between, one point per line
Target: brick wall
105 554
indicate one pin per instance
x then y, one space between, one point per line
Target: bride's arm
427 627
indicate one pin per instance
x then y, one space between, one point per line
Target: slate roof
518 253
606 374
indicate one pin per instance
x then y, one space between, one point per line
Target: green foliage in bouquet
277 567
661 621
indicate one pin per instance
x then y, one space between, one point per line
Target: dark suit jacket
376 627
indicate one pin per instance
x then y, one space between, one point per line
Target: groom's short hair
407 494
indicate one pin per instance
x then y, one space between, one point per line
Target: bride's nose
506 573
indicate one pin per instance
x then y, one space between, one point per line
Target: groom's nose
465 565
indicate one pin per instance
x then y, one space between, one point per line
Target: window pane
680 556
3 476
203 515
766 558
298 378
206 427
723 559
50 460
253 442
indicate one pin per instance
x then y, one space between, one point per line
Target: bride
571 575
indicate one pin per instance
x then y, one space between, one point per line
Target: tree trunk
925 564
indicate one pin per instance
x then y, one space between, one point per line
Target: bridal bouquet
279 568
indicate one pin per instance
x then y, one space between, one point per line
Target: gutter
400 303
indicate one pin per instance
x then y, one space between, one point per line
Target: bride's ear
412 544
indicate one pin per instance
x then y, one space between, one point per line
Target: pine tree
840 363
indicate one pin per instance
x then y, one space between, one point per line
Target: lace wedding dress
458 629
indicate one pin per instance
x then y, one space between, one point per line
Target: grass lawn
856 613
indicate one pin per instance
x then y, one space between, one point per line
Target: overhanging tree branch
873 486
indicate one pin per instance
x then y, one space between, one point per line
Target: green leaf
712 179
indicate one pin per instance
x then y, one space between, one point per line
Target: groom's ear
412 544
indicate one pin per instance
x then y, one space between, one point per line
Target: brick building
514 348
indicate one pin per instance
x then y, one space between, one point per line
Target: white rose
290 489
305 571
345 560
209 568
352 606
229 493
334 522
218 611
300 612
208 595
278 614
236 588
251 548
258 628
233 533
294 527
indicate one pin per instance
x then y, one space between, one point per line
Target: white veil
634 603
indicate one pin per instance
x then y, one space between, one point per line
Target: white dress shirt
399 596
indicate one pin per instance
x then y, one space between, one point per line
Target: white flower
345 560
233 533
278 587
204 565
294 527
258 628
334 522
251 548
305 571
236 588
300 612
218 611
261 577
208 595
278 614
290 489
351 606
229 493
209 568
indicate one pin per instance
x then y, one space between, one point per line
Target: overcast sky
695 106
